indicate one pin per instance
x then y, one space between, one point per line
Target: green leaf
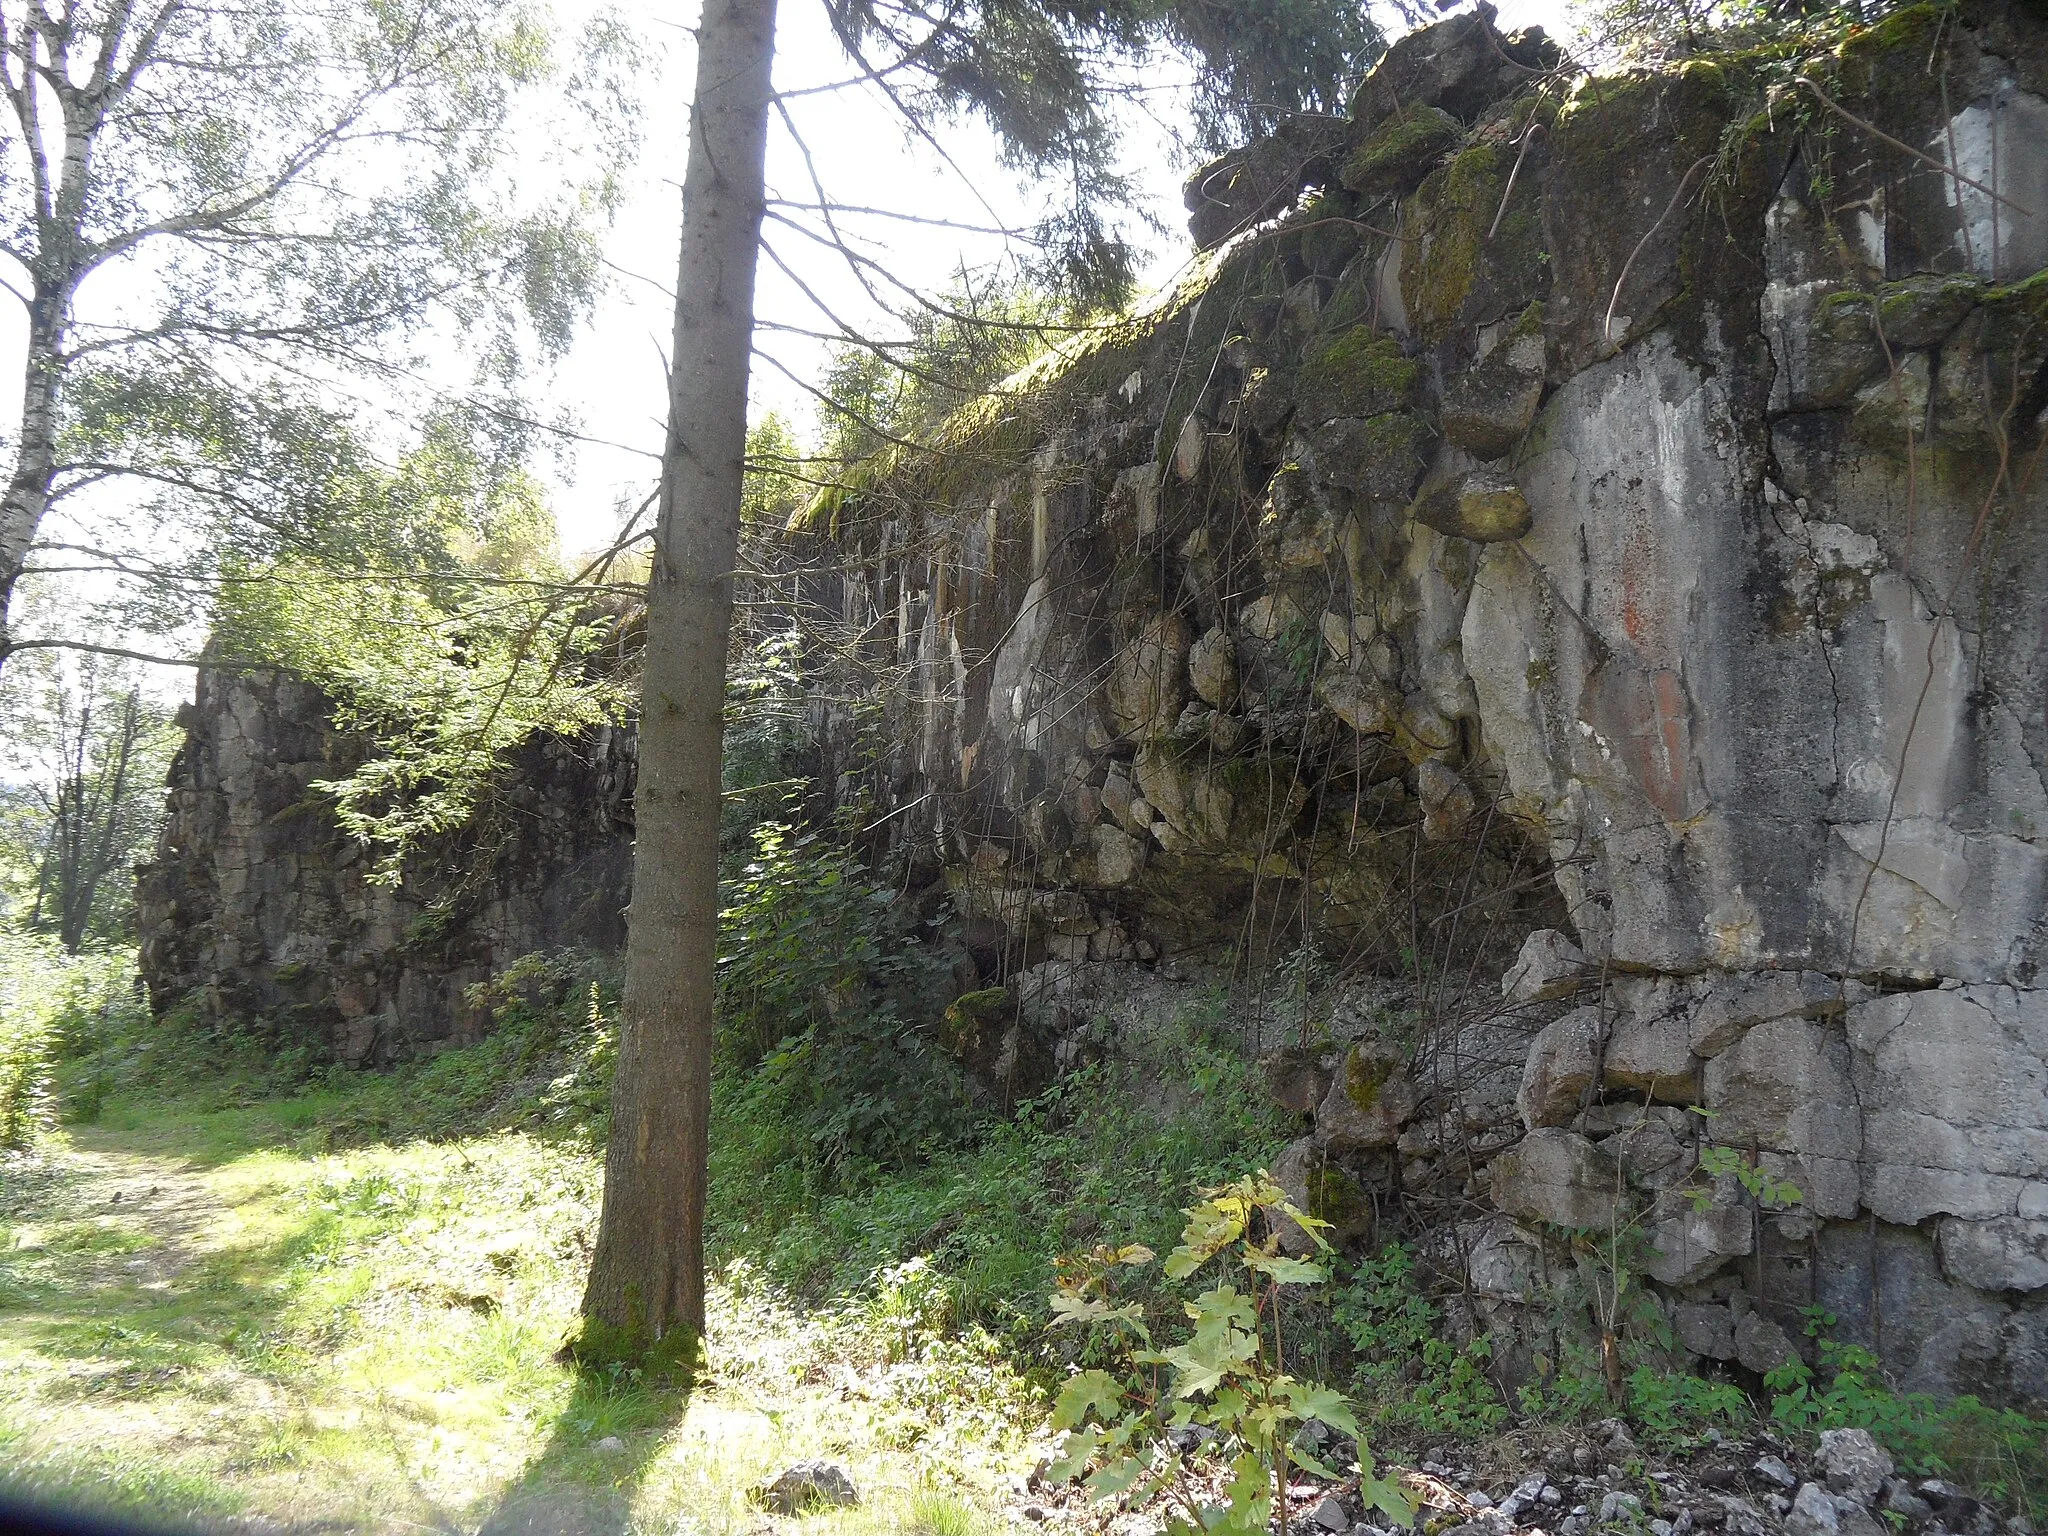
1212 1226
1385 1495
1251 1493
1314 1401
1075 1453
1117 1477
1089 1390
1268 1417
1314 1226
1209 1359
1286 1271
1225 1304
1087 1311
1308 1463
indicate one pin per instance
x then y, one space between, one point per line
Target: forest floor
245 1292
202 1321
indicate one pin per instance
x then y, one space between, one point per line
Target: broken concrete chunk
1463 66
2006 1253
1266 618
1330 1515
1490 407
1736 1004
1653 1156
1557 1176
1298 1076
1365 704
1652 1056
1760 1344
1785 1086
1369 1099
1480 505
1855 1463
1359 372
807 1485
1549 966
1337 636
1813 1513
1843 351
1447 800
1378 457
1145 693
1212 668
1921 311
1237 190
1119 857
1560 1069
1394 159
1116 795
1322 1188
1687 1244
1706 1330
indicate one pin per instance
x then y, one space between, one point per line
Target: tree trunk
35 464
100 808
647 1274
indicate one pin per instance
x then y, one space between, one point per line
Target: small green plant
1848 1391
1418 1378
1675 1404
1767 1189
1226 1378
24 1077
53 1005
1998 1450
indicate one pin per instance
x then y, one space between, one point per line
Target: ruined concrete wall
1573 561
258 909
1606 511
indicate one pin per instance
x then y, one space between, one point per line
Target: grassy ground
239 1288
237 1285
198 1321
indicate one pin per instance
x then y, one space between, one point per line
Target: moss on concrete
1364 1077
1359 372
1401 153
1445 227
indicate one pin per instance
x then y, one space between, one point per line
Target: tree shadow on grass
580 1483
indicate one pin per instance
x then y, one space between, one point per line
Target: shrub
827 1009
1229 1397
54 1006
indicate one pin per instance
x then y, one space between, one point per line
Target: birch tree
219 215
81 792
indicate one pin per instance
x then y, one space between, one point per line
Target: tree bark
647 1273
27 495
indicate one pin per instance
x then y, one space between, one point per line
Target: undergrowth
864 1210
55 1006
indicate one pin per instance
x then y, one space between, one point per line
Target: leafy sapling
1226 1390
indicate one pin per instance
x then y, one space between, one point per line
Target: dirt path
90 1181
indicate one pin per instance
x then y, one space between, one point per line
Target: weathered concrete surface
1415 580
258 908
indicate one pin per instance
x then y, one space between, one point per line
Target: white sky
613 378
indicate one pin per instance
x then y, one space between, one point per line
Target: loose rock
1854 1462
806 1484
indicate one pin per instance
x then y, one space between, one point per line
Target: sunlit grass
372 1337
